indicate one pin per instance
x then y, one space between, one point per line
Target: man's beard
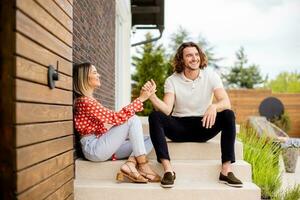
192 69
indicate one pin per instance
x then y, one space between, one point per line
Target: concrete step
185 169
190 190
210 150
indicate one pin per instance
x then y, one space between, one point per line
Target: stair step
191 190
209 150
185 169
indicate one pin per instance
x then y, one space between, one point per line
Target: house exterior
37 136
36 122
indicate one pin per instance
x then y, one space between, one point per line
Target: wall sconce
52 76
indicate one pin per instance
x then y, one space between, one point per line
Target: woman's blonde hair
80 79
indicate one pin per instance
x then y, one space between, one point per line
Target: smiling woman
109 135
88 79
94 77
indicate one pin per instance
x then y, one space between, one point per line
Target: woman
125 137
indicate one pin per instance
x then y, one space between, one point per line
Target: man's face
191 58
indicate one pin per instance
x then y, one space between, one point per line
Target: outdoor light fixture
52 76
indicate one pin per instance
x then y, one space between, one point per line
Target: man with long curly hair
187 113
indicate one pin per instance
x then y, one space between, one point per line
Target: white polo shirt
192 97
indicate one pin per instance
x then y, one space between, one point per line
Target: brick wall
94 41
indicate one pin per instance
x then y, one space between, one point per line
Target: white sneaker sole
232 185
167 186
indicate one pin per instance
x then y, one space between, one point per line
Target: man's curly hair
178 63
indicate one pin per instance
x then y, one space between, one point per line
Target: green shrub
283 122
285 82
290 194
263 154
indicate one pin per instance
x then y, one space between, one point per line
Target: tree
177 38
150 64
241 76
285 82
182 35
209 51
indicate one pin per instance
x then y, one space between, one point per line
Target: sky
269 30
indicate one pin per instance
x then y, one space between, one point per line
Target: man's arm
222 103
222 99
164 106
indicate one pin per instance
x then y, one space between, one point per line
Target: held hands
209 117
148 89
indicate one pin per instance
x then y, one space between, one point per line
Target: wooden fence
246 102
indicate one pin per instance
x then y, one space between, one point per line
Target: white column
122 56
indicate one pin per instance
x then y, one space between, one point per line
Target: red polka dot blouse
90 115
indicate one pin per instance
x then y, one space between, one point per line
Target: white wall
122 68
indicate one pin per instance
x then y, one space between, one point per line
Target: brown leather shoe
230 180
168 180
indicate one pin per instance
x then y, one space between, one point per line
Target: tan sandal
146 175
133 177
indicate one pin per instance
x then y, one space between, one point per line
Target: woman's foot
145 170
128 172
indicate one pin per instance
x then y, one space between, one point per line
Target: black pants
190 129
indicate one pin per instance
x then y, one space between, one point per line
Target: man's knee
154 116
228 115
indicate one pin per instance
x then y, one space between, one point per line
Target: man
188 96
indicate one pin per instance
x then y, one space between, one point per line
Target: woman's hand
150 86
148 89
107 126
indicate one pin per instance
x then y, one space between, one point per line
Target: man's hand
209 117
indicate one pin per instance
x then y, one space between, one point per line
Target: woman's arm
92 108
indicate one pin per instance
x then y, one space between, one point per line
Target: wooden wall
246 103
7 61
43 117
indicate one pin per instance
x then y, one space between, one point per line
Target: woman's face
94 77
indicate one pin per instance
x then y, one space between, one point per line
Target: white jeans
124 140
